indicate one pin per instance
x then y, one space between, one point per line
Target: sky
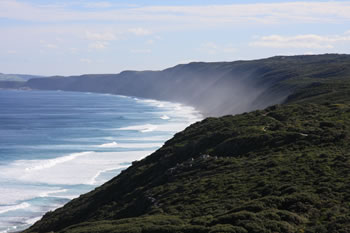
72 37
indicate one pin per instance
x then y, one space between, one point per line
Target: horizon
107 37
129 70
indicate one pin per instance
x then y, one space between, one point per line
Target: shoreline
195 116
22 87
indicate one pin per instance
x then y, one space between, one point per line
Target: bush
226 228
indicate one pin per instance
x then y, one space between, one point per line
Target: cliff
216 89
282 169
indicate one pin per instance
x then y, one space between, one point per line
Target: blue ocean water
57 145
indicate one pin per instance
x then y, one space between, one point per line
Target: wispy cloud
309 41
100 40
261 13
150 42
98 5
213 48
51 46
140 31
48 45
104 36
171 32
145 51
98 45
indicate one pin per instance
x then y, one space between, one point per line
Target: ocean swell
75 149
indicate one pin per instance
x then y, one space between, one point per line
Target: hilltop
215 89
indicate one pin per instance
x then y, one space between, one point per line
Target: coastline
155 103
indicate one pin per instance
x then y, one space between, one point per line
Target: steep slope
282 169
217 88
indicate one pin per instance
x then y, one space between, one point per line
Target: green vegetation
282 169
16 77
213 88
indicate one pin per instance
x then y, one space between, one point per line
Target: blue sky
61 37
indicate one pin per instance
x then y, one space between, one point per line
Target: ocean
56 145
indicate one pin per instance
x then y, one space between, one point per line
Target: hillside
216 89
17 77
282 169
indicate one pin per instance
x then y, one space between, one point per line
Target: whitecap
79 170
12 194
171 127
44 164
93 180
109 145
165 117
48 193
130 145
68 176
141 128
5 209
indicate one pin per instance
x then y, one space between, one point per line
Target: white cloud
48 45
153 40
210 45
229 49
106 36
309 41
98 45
145 51
100 40
150 41
213 48
98 5
51 46
140 31
261 13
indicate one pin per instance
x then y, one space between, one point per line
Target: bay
55 145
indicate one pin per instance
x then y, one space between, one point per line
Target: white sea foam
164 117
49 193
143 139
79 170
141 128
69 197
155 103
5 209
156 138
10 195
53 177
93 180
140 145
130 145
31 221
109 145
124 97
171 127
44 164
